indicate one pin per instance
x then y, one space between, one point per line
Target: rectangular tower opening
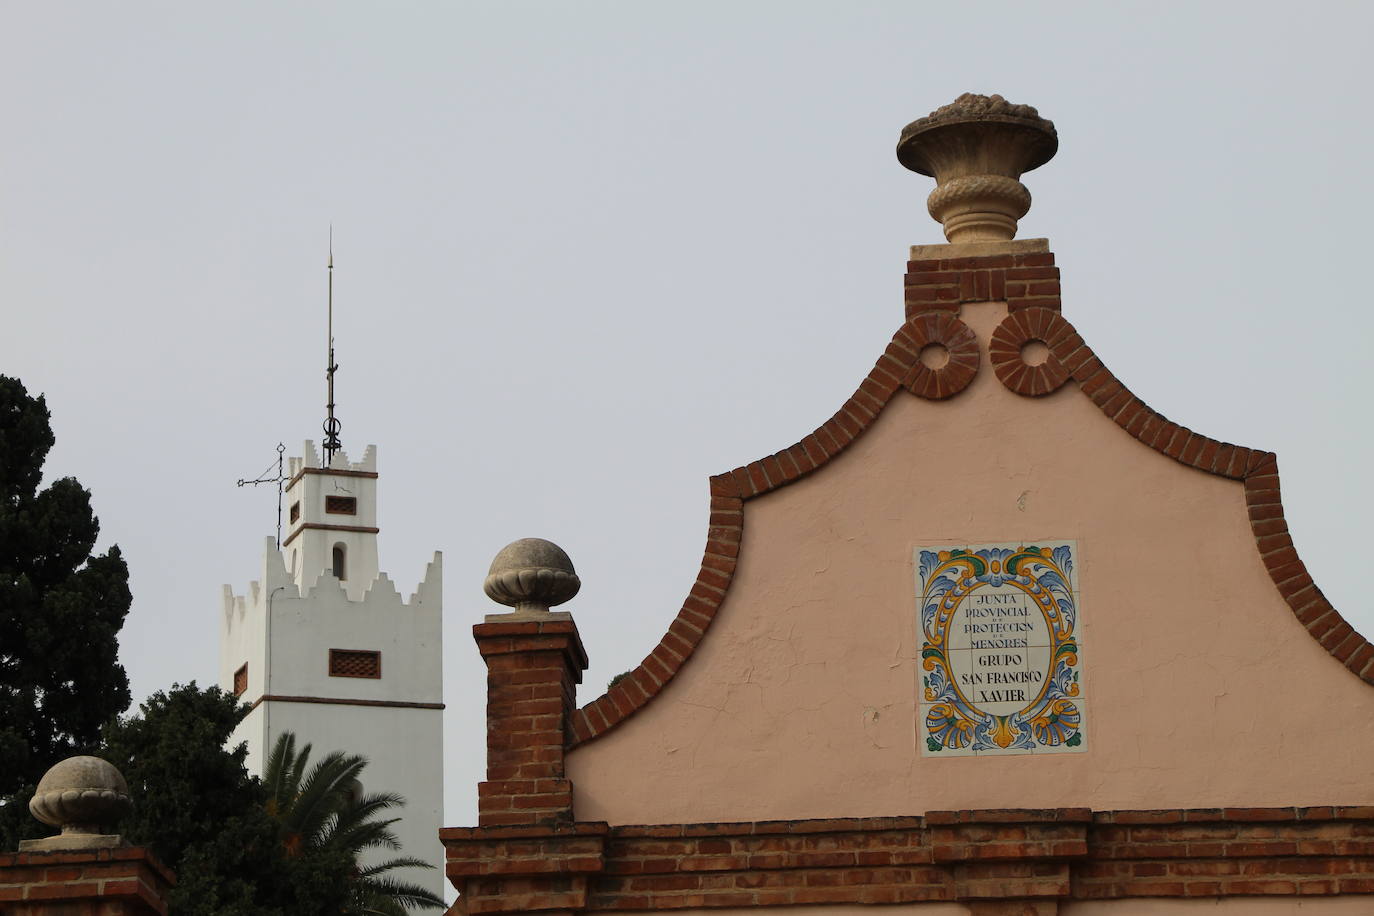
355 663
341 505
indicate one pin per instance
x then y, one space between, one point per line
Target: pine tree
61 610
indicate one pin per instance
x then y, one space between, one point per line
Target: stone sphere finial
85 796
977 148
531 575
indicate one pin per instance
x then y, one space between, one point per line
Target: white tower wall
346 665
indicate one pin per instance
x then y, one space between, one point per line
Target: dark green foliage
61 610
200 812
172 754
287 846
196 806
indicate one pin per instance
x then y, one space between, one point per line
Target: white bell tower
323 645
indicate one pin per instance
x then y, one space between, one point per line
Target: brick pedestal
1020 273
533 668
127 881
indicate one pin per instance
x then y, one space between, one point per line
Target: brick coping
935 290
1004 854
1285 814
123 879
47 858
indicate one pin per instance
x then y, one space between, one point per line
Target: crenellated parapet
381 595
310 458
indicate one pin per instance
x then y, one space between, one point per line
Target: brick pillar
533 669
127 881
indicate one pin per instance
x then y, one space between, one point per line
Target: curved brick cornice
728 493
1258 470
894 369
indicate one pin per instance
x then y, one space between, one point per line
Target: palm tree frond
404 893
398 862
360 836
320 811
323 791
363 808
276 774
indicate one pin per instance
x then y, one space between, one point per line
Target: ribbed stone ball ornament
976 148
531 575
82 795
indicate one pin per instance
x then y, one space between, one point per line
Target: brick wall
97 882
1035 857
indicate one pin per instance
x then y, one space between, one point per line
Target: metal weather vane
331 423
279 480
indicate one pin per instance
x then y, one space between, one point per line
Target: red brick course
1001 855
128 881
1021 280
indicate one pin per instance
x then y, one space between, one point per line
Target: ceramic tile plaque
1000 653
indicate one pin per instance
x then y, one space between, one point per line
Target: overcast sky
589 254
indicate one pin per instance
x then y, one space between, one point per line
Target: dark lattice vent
341 505
355 663
241 680
295 512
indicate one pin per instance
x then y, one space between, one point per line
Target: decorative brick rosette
942 329
1035 325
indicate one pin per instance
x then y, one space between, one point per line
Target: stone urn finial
85 796
531 575
976 148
